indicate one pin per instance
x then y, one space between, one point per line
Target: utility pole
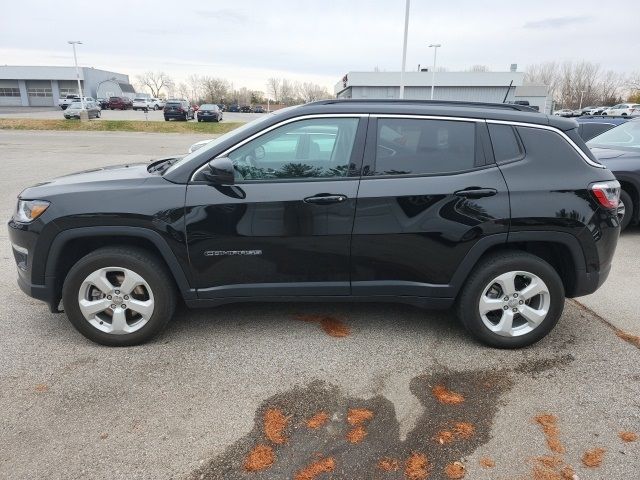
404 47
73 43
435 47
581 97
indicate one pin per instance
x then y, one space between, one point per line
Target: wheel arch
633 190
71 245
561 250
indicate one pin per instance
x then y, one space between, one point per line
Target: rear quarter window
506 143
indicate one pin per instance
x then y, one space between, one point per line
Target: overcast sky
249 41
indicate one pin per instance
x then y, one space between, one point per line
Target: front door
428 194
285 227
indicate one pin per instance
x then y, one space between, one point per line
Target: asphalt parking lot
397 384
56 113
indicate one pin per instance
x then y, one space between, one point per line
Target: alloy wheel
116 300
514 303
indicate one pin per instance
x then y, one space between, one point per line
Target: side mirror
220 171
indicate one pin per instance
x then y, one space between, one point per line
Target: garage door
39 93
9 93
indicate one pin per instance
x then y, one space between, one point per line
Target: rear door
428 194
285 227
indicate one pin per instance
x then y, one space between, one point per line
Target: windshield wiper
162 165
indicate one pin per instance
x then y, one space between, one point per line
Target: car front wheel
119 296
511 300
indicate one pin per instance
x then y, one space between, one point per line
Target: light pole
404 47
73 43
435 47
581 97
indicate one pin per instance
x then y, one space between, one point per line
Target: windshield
206 106
75 106
626 135
212 144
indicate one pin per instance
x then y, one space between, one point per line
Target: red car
120 103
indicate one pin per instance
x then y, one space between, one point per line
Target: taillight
607 194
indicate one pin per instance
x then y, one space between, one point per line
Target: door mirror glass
219 172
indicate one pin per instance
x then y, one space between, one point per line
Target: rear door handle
476 192
325 199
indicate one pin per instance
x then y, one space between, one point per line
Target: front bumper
25 239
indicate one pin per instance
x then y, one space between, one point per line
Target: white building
42 86
495 87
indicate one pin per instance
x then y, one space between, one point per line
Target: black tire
152 270
467 307
625 198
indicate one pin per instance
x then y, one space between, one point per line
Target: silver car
73 110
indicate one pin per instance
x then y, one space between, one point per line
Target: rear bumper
588 282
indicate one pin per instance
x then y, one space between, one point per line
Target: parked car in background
233 108
222 107
342 195
103 102
258 109
565 112
245 108
157 103
142 104
635 112
622 109
590 126
209 112
178 110
69 99
619 150
120 103
74 110
595 110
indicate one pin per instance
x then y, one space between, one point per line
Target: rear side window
419 146
506 143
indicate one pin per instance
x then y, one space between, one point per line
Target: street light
581 97
435 47
404 48
73 43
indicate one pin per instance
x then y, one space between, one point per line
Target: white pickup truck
63 103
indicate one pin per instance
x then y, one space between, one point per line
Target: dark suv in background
495 209
178 110
120 103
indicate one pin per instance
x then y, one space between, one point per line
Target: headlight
29 210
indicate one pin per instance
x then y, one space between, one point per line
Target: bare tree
183 91
214 89
310 92
274 88
195 87
156 82
288 92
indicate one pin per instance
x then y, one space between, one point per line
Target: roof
489 111
37 72
127 87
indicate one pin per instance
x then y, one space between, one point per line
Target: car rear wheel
625 209
119 296
511 300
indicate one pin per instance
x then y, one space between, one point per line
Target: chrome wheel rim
116 300
514 303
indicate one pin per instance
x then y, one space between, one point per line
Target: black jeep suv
498 210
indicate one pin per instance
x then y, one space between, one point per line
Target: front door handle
325 199
474 192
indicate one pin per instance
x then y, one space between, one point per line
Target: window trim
231 149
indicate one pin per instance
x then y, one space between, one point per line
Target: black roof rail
456 103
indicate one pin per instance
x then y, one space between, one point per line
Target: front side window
421 146
314 148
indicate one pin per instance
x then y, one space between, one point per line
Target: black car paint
403 239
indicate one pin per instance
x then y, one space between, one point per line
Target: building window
39 92
9 92
68 91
